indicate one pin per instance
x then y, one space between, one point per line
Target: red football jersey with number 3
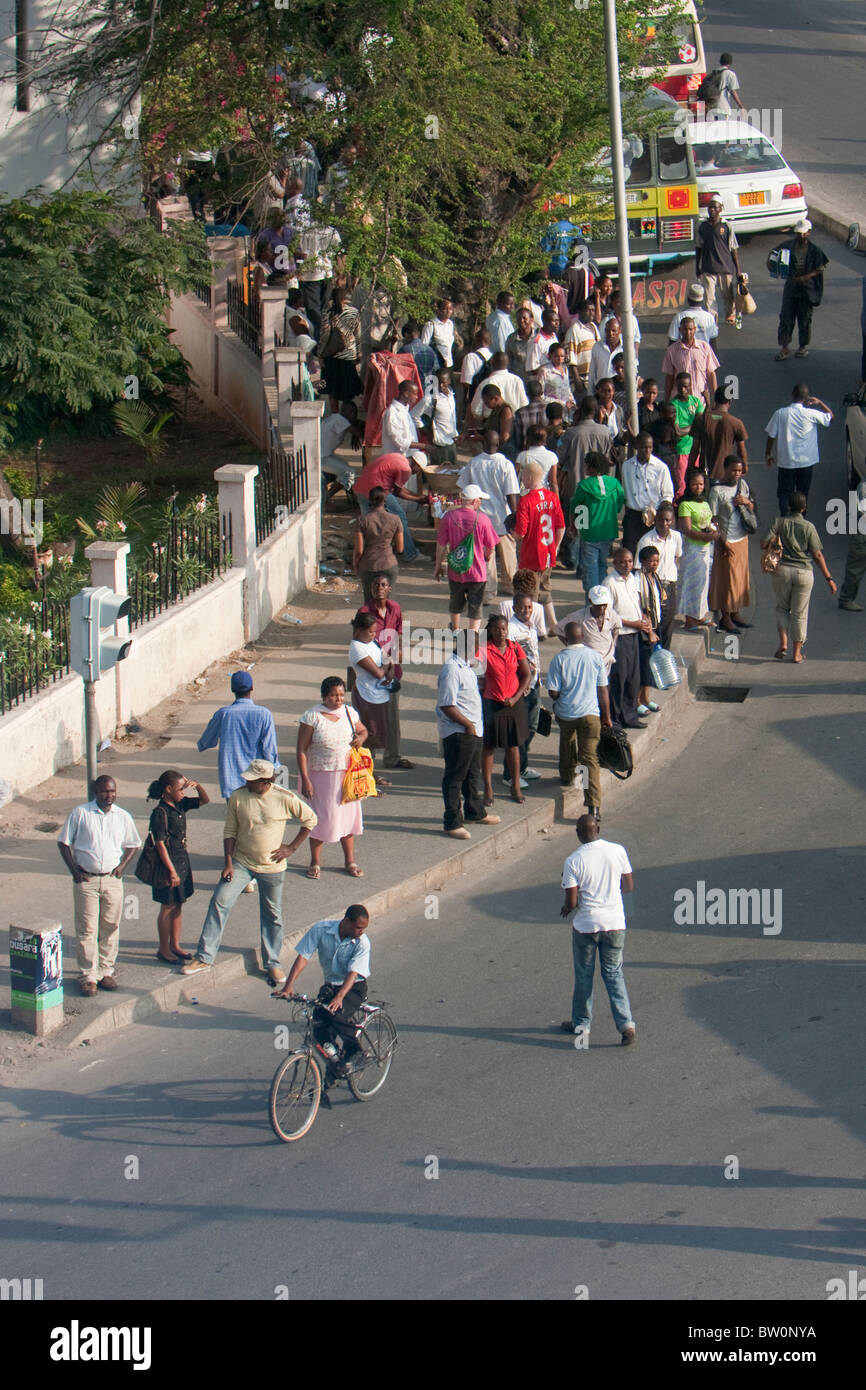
539 517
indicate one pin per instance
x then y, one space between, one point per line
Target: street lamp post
611 53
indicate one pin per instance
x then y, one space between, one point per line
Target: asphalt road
557 1169
806 60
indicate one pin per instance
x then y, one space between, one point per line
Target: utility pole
611 54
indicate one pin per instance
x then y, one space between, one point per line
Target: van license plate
748 200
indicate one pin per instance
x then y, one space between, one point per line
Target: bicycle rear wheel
378 1039
296 1091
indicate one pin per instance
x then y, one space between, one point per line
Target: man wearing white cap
716 260
706 324
465 541
496 476
256 819
600 622
804 289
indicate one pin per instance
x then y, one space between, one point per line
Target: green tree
84 286
466 115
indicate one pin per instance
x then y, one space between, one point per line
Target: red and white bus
685 73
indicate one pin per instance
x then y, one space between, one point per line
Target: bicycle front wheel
296 1091
378 1040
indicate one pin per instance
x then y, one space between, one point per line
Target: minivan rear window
745 156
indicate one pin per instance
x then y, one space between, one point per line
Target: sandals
165 960
518 797
383 782
353 870
402 765
314 871
782 354
780 654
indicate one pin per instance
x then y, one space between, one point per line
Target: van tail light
704 200
792 190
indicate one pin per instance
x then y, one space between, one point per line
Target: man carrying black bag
804 287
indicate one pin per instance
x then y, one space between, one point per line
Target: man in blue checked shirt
244 731
344 955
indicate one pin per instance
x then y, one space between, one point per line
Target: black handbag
545 722
149 863
614 753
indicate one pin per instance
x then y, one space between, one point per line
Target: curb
829 223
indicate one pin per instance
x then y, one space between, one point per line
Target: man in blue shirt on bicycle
344 955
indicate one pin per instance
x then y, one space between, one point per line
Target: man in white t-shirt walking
595 878
794 432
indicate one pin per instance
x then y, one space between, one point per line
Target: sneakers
276 976
193 966
251 886
108 982
523 782
850 606
88 988
530 774
628 1037
489 820
461 833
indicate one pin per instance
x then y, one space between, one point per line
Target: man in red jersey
539 527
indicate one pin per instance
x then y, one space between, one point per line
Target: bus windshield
636 158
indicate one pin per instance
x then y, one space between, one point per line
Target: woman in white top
326 734
373 674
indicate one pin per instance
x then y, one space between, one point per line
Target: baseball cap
241 680
696 294
598 594
804 225
714 198
472 492
258 768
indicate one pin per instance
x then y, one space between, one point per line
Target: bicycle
302 1080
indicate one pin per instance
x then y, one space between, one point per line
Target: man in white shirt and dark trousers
460 721
96 844
794 431
595 878
625 676
646 482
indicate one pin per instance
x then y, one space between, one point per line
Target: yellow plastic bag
359 780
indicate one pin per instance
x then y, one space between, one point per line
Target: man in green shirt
256 819
594 510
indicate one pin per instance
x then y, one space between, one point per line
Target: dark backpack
614 753
711 87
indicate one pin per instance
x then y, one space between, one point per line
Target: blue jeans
224 898
609 945
593 562
395 506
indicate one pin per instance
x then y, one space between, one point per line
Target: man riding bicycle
344 955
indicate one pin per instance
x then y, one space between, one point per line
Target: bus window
636 158
673 159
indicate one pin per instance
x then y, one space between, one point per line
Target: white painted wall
46 733
42 146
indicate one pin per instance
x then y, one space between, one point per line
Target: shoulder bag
149 866
748 515
358 780
462 557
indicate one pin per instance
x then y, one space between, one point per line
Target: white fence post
237 501
288 362
306 434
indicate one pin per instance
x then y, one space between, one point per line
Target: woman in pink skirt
326 734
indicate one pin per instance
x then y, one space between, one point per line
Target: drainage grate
723 694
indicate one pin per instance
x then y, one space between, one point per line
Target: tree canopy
83 288
464 116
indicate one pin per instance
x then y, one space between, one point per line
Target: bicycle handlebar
292 998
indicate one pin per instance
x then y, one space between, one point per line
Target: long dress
327 760
694 581
729 587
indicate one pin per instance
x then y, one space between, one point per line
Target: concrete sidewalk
403 852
